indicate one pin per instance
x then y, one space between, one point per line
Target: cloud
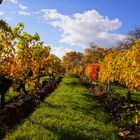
1 13
24 13
14 1
81 29
60 51
23 7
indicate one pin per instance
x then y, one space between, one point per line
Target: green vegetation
10 94
67 114
122 91
44 78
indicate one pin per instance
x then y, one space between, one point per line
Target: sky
71 25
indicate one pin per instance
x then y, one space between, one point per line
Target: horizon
72 26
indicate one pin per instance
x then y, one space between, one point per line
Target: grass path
67 114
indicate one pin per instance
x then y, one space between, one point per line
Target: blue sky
72 24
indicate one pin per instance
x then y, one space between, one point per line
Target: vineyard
102 83
27 71
112 77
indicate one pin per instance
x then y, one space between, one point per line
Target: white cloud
14 1
59 51
23 7
1 13
81 29
24 13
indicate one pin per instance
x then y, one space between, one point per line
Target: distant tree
1 1
52 67
4 26
130 40
124 44
72 59
134 34
93 53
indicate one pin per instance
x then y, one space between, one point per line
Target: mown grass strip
67 114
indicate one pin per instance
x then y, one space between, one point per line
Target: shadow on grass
65 133
93 109
86 108
74 83
71 115
50 105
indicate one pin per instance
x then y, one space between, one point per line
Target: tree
7 55
53 67
122 67
92 70
1 1
39 53
24 58
93 53
130 40
134 34
72 60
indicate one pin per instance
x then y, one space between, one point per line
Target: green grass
10 94
67 114
117 89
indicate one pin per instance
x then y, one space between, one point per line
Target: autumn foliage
24 59
123 67
92 70
108 65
